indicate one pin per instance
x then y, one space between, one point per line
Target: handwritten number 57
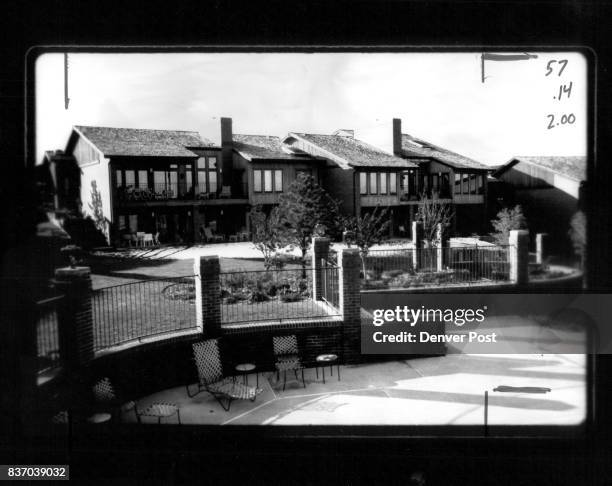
549 68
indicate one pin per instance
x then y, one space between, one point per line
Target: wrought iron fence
269 295
421 267
47 334
137 310
330 291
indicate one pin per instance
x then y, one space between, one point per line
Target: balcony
161 192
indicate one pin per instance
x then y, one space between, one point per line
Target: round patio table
244 369
324 360
99 418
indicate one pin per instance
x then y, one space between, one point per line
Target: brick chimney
227 161
397 136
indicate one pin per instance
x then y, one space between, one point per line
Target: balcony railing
169 192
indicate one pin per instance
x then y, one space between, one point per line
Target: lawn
135 298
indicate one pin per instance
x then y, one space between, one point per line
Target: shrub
290 297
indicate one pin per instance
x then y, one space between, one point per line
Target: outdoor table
99 418
244 369
159 410
327 359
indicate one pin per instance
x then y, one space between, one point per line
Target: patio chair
287 357
104 395
210 236
211 379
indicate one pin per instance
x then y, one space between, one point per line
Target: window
201 163
435 183
212 162
267 181
392 183
473 184
444 188
121 222
363 183
383 183
278 180
466 184
373 188
130 178
481 184
412 182
142 179
457 183
212 181
256 181
118 178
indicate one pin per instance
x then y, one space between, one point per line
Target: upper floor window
278 180
373 188
363 183
383 183
118 178
268 180
257 181
392 183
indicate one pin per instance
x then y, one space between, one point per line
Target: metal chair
287 357
104 394
211 379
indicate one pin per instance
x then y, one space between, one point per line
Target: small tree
577 234
267 237
306 210
507 219
366 231
96 207
432 212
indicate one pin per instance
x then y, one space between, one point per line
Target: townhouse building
550 190
176 183
452 177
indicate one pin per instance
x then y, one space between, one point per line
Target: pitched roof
263 147
573 167
142 142
415 147
351 152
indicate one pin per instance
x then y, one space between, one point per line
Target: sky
439 97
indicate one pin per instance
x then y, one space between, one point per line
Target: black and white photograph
280 263
236 217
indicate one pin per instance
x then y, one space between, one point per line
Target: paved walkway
424 391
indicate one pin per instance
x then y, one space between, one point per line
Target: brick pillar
75 316
441 245
519 256
417 242
350 304
540 247
208 294
320 251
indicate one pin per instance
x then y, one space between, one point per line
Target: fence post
350 303
540 247
199 304
441 244
519 256
417 242
320 251
208 295
75 316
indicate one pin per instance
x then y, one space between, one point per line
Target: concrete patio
444 390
